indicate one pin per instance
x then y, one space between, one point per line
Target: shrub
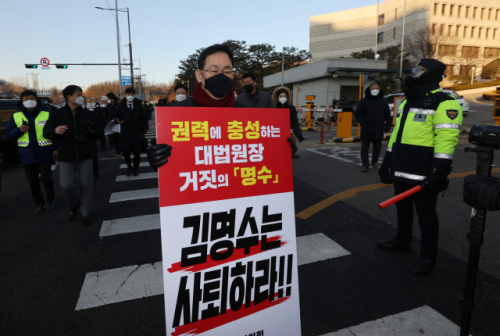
474 86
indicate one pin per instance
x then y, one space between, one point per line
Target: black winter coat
75 144
373 114
134 126
111 111
190 102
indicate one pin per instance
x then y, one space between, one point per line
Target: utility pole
118 45
130 50
376 29
402 48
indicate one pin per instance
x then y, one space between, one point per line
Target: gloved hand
293 146
437 182
158 154
482 193
383 172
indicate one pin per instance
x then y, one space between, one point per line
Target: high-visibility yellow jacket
424 137
41 119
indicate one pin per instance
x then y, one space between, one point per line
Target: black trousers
365 147
425 202
40 172
95 161
102 140
137 160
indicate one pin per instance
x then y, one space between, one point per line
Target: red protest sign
228 222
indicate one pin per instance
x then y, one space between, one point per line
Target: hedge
491 95
473 86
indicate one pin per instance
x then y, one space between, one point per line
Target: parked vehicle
9 152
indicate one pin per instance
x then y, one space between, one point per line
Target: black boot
395 246
423 266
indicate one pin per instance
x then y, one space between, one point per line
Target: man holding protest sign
227 211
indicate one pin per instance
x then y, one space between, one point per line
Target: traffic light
31 66
62 66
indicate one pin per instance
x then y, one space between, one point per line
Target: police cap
432 65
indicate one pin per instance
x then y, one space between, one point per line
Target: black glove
158 154
482 193
437 181
383 172
293 146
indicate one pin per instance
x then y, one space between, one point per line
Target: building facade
465 35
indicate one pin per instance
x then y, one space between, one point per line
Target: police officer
421 151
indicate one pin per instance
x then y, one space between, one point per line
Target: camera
485 136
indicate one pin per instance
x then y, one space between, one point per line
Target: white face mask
180 97
130 98
29 104
103 105
109 101
80 101
374 92
282 100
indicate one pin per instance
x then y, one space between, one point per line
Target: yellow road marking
305 214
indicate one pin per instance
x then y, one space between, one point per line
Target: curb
305 129
355 139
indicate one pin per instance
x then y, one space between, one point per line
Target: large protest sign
228 222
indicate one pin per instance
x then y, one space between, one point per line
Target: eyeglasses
215 71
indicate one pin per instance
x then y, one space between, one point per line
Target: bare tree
469 59
425 43
17 85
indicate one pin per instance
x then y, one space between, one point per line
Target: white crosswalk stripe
139 281
133 195
419 321
143 176
142 164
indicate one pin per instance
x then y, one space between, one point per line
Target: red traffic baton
399 197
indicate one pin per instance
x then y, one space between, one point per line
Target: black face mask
248 88
219 85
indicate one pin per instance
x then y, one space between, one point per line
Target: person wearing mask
214 88
420 151
36 151
101 118
253 97
134 125
112 109
181 92
282 97
374 116
344 103
145 109
73 129
98 130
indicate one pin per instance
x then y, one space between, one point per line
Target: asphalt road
46 260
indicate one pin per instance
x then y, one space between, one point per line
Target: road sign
45 62
228 223
126 80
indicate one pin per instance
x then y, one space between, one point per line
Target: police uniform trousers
425 202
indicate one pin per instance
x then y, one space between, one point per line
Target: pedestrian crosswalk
135 282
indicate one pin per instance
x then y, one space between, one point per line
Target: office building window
459 11
447 50
479 32
491 52
441 30
466 70
443 10
456 31
433 29
451 10
494 33
381 19
496 15
474 13
395 14
467 12
489 13
394 34
487 33
465 32
470 51
472 30
449 70
380 37
435 8
482 13
449 29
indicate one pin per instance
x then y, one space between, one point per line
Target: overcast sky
163 33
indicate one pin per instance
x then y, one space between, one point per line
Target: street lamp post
402 48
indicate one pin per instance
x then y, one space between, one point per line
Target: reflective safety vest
424 137
41 119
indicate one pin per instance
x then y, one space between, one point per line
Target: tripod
475 236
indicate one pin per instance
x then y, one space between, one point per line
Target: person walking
35 150
420 151
112 109
73 129
253 97
134 126
100 115
282 97
374 115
